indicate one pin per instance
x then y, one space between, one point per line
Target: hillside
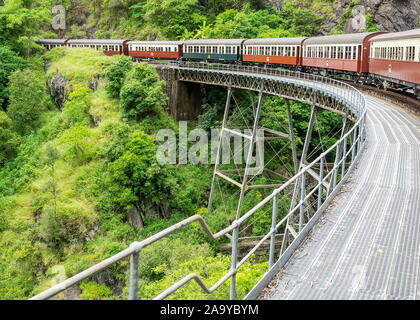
140 20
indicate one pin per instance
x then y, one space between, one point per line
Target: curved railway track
405 100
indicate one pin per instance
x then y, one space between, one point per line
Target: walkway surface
367 244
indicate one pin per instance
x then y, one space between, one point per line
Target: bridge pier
185 98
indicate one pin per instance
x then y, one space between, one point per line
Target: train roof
52 41
275 41
96 41
233 42
168 43
397 35
350 38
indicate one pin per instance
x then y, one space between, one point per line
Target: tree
9 63
21 23
142 94
116 75
9 140
135 180
28 98
51 157
173 16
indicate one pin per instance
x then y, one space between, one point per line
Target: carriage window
334 52
410 53
340 52
354 53
348 53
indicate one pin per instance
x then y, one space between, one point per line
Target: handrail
134 248
358 135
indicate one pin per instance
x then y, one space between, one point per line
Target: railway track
404 100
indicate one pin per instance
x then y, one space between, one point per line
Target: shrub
116 74
142 94
9 140
9 63
94 291
80 144
51 230
28 97
76 110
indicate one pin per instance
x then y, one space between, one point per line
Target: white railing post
273 230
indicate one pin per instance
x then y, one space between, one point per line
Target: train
386 60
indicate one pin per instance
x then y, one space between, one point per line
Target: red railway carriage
286 51
110 47
395 60
155 49
344 53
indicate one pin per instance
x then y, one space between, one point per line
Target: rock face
58 90
358 22
388 15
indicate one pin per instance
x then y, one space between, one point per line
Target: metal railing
348 148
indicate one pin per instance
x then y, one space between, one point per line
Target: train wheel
417 93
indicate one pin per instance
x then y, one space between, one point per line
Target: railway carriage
223 50
395 60
52 43
346 54
109 47
282 51
155 49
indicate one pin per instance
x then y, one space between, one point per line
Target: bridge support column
250 152
303 160
219 149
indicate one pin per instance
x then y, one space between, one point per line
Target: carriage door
359 58
298 58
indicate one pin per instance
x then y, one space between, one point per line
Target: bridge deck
367 245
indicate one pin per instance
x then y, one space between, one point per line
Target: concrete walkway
367 245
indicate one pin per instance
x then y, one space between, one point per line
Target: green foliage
172 16
370 24
9 140
76 109
51 230
80 66
210 269
28 99
21 23
116 74
9 63
80 144
135 178
269 22
142 94
51 156
94 291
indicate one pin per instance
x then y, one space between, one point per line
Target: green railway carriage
225 50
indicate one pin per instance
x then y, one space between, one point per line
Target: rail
346 150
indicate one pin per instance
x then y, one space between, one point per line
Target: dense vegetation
79 184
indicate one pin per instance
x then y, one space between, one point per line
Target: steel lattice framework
325 93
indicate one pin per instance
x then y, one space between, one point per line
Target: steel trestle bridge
315 182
